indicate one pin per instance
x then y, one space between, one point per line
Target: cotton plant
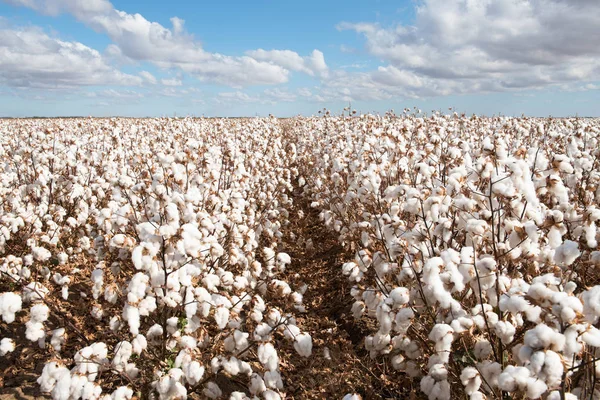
171 230
481 225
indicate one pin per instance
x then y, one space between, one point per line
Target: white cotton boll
41 254
566 253
591 304
506 331
62 388
535 388
271 395
123 351
10 304
222 317
399 296
291 331
58 339
34 331
554 237
352 396
238 396
114 323
139 344
544 337
193 372
483 349
303 344
131 314
122 393
262 332
470 379
187 342
212 390
257 384
7 345
91 391
273 380
267 355
39 313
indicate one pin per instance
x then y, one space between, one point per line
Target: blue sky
233 58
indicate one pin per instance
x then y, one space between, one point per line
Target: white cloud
31 58
279 95
458 46
236 97
171 82
313 65
148 77
137 39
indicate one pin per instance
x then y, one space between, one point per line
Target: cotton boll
212 390
303 344
139 344
221 317
58 339
271 395
566 253
123 351
193 372
399 296
352 396
257 384
10 304
131 314
273 380
34 331
535 388
7 345
122 393
591 304
267 355
506 331
41 254
470 379
483 349
238 396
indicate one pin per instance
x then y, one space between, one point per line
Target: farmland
431 256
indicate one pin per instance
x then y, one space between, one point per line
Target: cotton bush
147 257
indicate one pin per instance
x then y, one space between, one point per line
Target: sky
244 58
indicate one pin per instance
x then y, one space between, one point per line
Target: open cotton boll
591 304
271 395
566 253
267 355
193 372
7 345
221 317
122 393
41 254
10 304
303 344
470 379
58 339
212 390
139 344
123 351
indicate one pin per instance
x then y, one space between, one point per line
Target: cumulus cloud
31 58
171 82
459 46
278 95
148 77
313 65
137 39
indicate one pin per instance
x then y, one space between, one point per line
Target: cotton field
172 258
